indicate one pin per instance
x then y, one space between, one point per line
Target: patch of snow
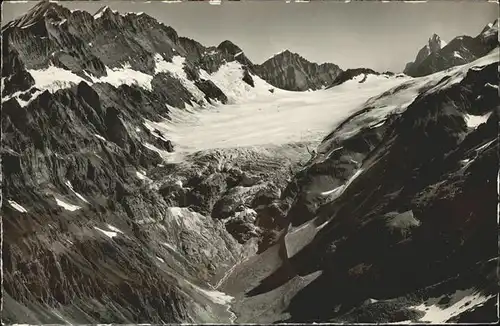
160 259
109 234
473 121
485 145
378 124
176 68
491 85
460 301
214 296
466 163
333 191
125 75
17 207
140 175
238 54
338 191
28 26
398 100
66 205
359 77
229 79
102 11
261 118
322 225
70 186
171 247
191 221
55 312
165 155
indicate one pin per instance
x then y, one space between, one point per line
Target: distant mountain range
438 55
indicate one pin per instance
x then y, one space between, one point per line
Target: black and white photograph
249 162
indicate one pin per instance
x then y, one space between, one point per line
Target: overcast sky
382 36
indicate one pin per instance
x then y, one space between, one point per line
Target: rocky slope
438 56
288 70
416 243
434 45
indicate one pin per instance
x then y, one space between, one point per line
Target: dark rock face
461 50
398 230
351 73
408 221
99 228
211 91
290 71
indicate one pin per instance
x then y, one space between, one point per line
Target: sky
381 36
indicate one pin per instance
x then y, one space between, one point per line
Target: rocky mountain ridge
102 226
438 55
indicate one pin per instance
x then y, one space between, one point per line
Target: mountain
438 56
393 218
434 44
288 70
358 74
147 178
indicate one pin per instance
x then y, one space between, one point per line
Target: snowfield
268 119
